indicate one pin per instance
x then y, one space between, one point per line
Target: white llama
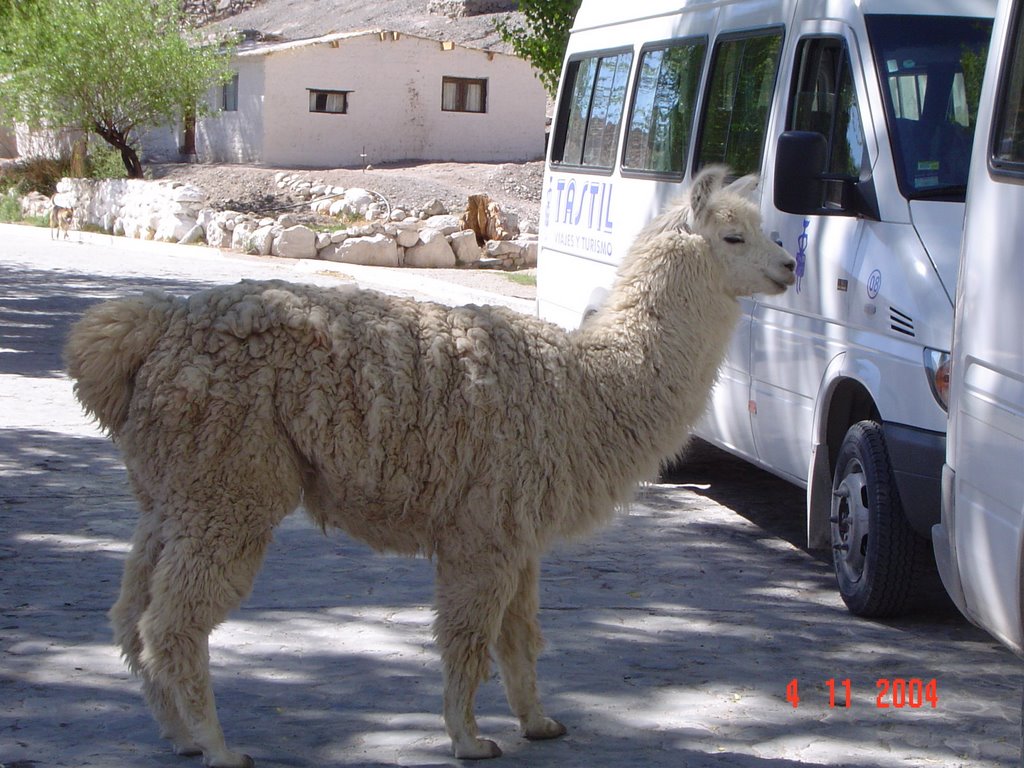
472 435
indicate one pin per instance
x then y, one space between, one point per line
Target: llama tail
106 348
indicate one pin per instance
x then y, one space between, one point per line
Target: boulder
432 250
297 242
373 251
465 247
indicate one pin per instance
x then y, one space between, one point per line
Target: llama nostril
790 265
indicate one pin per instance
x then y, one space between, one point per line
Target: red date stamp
890 693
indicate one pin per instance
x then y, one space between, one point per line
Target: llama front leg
470 601
518 644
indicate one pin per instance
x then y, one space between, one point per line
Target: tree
543 38
109 67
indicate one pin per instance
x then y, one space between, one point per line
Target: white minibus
979 545
859 117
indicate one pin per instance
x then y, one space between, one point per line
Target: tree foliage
543 36
109 67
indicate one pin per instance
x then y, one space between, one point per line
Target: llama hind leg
470 602
125 616
517 647
195 585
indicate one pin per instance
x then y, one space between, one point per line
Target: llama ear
707 183
745 186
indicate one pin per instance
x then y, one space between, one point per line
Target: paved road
672 634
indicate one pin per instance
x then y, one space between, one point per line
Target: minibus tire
876 555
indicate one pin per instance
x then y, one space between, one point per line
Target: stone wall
386 235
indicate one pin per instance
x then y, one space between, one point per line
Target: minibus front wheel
876 554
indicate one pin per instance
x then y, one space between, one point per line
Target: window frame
314 92
229 88
772 30
1009 169
689 41
834 198
559 135
462 89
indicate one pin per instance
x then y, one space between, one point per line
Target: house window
462 94
229 94
332 102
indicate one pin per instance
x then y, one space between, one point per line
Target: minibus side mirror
801 180
800 158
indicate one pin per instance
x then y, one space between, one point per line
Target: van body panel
876 262
940 226
979 544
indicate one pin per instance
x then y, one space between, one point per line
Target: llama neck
652 355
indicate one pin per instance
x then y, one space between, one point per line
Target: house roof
268 48
287 20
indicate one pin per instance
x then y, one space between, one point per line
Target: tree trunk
78 152
188 146
118 139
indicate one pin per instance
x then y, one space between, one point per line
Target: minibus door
794 336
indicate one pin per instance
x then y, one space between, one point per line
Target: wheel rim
850 522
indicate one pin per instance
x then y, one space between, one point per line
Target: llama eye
734 239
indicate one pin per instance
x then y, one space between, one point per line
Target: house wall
394 108
236 137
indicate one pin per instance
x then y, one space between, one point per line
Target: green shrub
10 207
105 162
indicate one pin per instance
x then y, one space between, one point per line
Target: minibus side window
824 101
664 102
590 111
738 101
1008 137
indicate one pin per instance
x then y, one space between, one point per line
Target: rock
358 200
241 236
488 220
374 251
173 228
434 208
262 240
296 242
188 194
465 247
194 235
433 250
216 235
446 224
407 236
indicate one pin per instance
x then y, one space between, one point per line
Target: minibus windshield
930 69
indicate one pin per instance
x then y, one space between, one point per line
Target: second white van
859 119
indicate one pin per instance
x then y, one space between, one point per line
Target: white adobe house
370 97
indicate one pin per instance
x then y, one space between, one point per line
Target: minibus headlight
936 365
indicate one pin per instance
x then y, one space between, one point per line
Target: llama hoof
477 749
187 750
547 729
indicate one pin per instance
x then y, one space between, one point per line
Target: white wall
394 108
236 137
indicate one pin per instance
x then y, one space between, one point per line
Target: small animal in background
60 221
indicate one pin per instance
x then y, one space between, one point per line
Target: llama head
730 223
